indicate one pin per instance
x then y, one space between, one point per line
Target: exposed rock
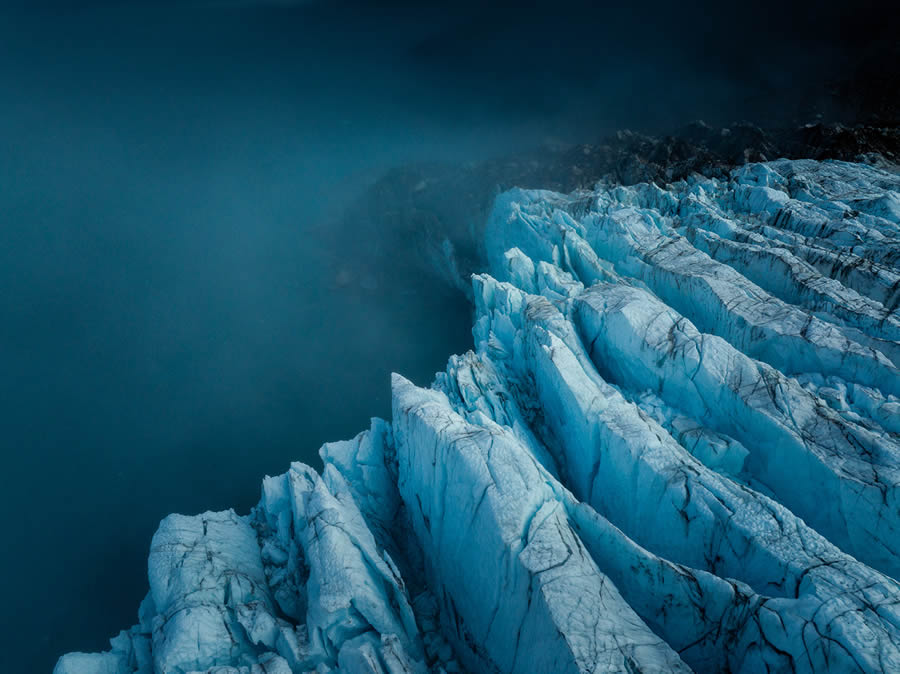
435 213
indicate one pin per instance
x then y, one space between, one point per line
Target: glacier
675 447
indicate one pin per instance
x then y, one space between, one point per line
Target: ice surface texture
676 447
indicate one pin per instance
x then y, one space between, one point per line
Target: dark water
171 326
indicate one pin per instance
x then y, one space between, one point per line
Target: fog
171 327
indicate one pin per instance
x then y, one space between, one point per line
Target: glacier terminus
675 447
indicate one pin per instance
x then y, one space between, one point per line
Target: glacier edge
675 447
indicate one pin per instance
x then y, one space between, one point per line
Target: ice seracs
676 446
537 601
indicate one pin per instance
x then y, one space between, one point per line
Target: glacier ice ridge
675 447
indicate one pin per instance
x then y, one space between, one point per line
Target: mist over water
171 324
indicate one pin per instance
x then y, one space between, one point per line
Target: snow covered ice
676 447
